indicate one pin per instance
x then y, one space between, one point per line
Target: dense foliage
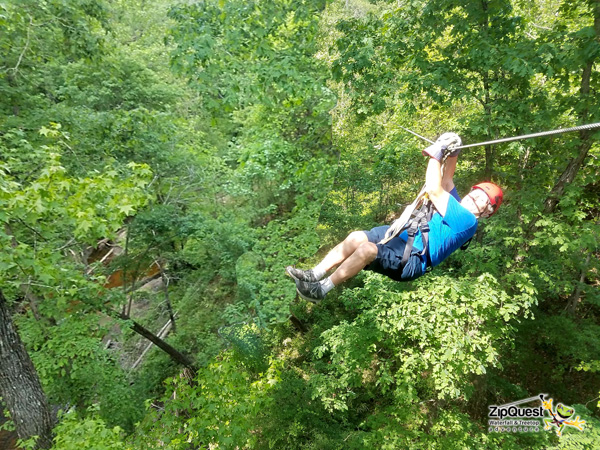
222 140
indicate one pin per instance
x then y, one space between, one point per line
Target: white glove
445 144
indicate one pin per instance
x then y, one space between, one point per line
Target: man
452 224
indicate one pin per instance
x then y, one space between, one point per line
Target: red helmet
493 192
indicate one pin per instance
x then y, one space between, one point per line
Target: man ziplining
402 251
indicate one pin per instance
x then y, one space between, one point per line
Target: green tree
46 215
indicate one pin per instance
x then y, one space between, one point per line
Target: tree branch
16 68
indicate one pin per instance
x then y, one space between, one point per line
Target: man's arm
433 185
436 185
448 175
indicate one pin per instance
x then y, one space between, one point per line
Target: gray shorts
389 257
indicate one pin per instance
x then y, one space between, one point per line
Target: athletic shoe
302 275
313 292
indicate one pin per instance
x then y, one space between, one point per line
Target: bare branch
16 68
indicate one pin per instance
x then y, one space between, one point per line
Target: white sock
327 284
319 271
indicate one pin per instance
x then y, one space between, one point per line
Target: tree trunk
489 162
575 164
165 281
569 174
20 386
489 150
576 295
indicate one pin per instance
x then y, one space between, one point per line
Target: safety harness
419 221
413 220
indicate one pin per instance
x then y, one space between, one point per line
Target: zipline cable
543 133
589 126
527 136
418 135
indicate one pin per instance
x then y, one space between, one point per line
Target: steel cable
589 126
527 136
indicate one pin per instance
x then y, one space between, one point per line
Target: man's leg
342 251
335 257
361 257
315 291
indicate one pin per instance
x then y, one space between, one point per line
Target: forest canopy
162 162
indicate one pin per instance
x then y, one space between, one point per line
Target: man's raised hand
445 144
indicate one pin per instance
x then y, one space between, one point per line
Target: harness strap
419 222
466 245
413 226
402 223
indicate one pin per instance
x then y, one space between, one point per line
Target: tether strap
401 224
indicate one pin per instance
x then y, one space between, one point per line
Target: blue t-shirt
448 233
